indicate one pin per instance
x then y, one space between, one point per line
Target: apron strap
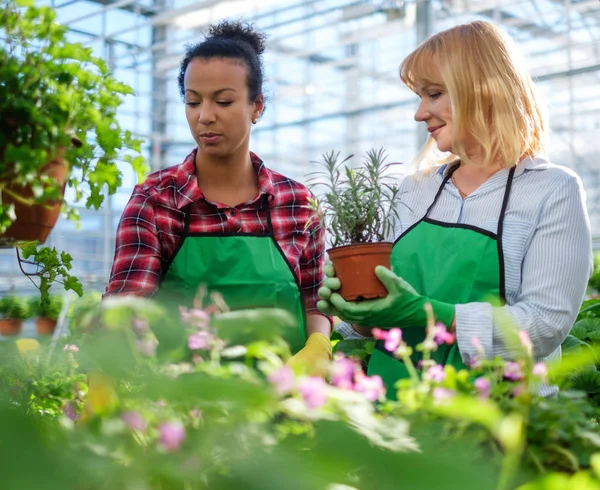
505 201
446 179
186 220
499 235
268 207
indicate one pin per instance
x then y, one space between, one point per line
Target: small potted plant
358 209
59 125
13 310
46 313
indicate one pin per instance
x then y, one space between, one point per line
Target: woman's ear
259 105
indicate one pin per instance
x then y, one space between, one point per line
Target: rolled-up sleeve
137 262
555 270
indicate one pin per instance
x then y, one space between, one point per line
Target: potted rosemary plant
358 209
59 126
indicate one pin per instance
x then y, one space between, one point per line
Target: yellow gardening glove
315 356
27 345
101 396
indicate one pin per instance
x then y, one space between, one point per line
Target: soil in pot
45 326
34 223
9 327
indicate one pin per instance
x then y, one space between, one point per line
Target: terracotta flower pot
34 223
355 267
45 326
9 327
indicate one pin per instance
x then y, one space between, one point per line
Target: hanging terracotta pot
34 222
9 327
45 326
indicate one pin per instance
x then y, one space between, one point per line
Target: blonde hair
489 87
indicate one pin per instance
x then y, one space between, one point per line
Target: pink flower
171 435
194 317
436 373
540 370
475 342
442 336
519 390
282 379
70 411
313 391
526 341
393 340
140 326
134 421
371 386
147 347
441 394
512 371
71 347
482 385
199 340
342 373
392 337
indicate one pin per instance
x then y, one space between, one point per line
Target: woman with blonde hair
493 232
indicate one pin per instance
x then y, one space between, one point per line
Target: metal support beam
159 88
424 26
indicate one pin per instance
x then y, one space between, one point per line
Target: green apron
249 270
450 262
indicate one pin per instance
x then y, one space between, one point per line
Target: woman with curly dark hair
222 219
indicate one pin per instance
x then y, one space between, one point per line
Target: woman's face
217 106
435 111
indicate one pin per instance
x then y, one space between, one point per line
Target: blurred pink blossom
482 385
70 411
313 391
282 379
371 386
526 341
171 435
199 340
512 371
435 373
342 372
194 317
71 347
440 394
392 337
475 342
140 326
540 370
134 420
442 336
147 347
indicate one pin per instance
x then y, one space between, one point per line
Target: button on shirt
153 221
546 243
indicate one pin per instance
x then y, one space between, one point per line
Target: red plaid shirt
153 221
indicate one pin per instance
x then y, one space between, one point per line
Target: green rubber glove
402 307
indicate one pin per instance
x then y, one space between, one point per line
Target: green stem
410 367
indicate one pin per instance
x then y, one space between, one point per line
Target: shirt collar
187 190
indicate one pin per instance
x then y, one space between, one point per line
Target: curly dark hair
235 40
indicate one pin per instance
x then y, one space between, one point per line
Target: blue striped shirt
547 250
